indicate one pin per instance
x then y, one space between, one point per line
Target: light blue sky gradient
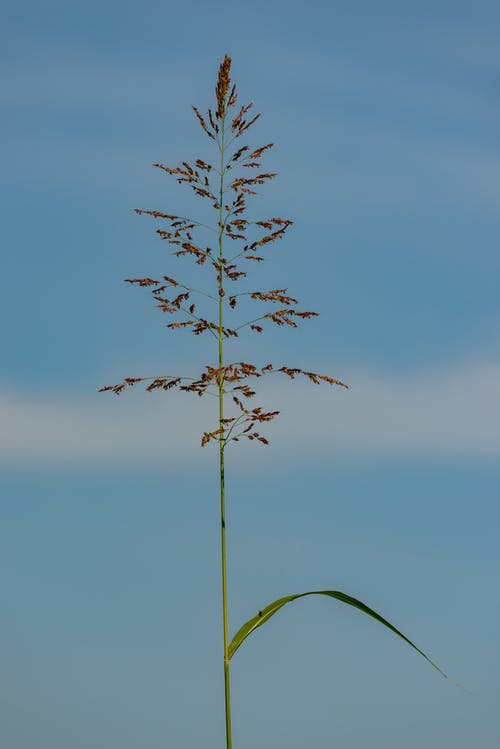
385 118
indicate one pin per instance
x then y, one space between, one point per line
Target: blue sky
385 118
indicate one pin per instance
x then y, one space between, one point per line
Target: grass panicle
224 246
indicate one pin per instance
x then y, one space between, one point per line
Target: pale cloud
97 430
452 413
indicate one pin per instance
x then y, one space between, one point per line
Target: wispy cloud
454 412
450 413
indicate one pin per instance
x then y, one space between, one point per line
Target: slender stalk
227 691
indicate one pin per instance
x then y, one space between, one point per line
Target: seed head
223 83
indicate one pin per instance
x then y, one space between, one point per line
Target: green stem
227 691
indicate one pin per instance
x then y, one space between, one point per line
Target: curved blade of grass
269 611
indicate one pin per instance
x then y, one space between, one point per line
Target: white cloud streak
451 413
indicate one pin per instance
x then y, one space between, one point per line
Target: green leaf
269 611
